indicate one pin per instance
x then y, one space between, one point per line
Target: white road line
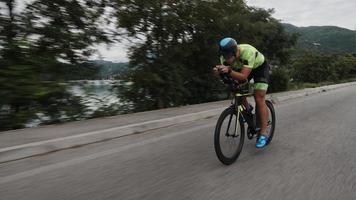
33 144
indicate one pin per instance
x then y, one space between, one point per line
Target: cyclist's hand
216 71
223 69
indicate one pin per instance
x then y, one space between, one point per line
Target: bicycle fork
237 124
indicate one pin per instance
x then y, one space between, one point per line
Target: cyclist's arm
241 76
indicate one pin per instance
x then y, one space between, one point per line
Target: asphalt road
313 156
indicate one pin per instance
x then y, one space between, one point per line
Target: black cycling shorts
260 74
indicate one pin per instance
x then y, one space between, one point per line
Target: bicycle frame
238 106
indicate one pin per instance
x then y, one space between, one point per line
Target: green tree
312 68
17 80
317 67
157 66
345 66
65 30
280 79
35 44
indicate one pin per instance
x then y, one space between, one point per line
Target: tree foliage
35 44
315 67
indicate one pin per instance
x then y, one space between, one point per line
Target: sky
115 52
312 12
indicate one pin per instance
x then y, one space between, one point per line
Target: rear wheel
229 136
271 121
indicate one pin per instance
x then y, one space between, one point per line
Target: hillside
108 69
91 70
324 38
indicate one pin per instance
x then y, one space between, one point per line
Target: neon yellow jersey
250 57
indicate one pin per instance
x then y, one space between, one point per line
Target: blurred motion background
66 60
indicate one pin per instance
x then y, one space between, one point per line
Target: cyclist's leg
263 115
260 96
261 78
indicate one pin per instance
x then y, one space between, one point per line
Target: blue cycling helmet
227 47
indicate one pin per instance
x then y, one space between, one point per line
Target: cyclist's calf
262 116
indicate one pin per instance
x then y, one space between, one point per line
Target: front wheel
229 136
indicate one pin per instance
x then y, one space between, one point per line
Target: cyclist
244 62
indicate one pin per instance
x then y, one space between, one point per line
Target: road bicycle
230 128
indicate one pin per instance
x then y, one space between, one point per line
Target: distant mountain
108 69
324 38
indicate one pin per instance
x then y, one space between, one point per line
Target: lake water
94 93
